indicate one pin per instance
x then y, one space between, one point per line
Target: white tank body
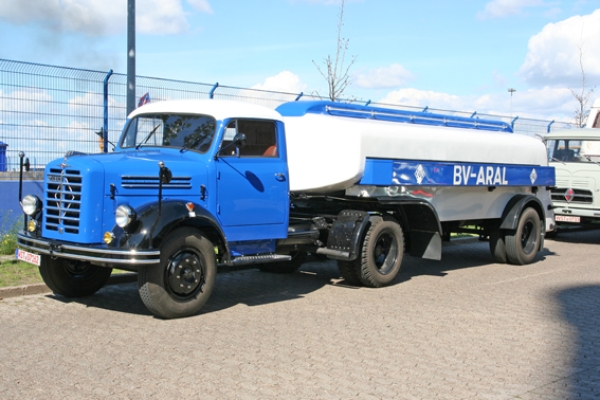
328 153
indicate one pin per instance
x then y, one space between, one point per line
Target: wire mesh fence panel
48 110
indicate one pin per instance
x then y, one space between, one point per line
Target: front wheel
183 280
382 252
522 244
73 278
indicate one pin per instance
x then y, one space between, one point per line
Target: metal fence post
105 127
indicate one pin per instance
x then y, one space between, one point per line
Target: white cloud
283 82
553 56
200 5
505 8
96 18
383 78
545 103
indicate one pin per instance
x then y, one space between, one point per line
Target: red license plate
566 218
28 257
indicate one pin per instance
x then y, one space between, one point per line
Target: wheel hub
385 253
185 274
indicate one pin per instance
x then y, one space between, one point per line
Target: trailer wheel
350 272
72 278
382 252
522 244
183 280
285 267
498 244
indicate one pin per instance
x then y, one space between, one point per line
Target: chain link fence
47 110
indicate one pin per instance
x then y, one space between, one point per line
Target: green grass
18 273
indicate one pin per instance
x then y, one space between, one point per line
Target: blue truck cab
195 186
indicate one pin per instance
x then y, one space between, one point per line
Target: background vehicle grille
63 201
580 196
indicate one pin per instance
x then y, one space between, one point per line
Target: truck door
253 182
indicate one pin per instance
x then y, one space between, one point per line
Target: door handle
280 177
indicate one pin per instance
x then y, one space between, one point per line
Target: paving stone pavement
462 328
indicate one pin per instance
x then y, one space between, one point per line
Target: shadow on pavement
584 235
254 288
580 308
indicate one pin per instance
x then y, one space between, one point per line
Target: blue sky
460 55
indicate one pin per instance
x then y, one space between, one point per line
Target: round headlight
124 215
31 205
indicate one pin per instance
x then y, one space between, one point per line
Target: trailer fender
422 226
514 208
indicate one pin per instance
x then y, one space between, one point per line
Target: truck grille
579 195
63 201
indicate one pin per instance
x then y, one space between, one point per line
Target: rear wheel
73 278
350 272
522 244
497 244
183 280
382 252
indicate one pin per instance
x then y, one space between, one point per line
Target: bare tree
583 95
337 74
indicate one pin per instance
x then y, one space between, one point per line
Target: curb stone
40 288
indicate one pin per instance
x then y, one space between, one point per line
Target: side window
597 121
261 138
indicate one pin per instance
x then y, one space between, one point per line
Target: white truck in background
575 155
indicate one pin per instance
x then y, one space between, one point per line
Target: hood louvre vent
151 182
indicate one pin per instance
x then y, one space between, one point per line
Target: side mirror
239 140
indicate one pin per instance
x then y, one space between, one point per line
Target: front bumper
96 255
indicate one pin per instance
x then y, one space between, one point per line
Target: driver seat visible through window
261 138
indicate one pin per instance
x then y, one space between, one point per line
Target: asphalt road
462 328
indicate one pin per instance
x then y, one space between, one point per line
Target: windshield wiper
194 143
590 160
557 160
147 137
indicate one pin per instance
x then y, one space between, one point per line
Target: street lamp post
130 56
511 90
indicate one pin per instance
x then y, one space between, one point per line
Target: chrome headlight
31 205
124 215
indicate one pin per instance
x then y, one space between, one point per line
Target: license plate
28 257
567 218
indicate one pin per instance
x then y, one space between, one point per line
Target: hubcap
527 239
385 253
185 274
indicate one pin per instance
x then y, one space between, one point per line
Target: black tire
522 245
285 267
73 278
350 271
552 234
382 252
498 244
183 280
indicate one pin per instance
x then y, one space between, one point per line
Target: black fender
152 225
514 208
423 226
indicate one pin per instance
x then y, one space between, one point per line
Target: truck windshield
568 150
195 132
